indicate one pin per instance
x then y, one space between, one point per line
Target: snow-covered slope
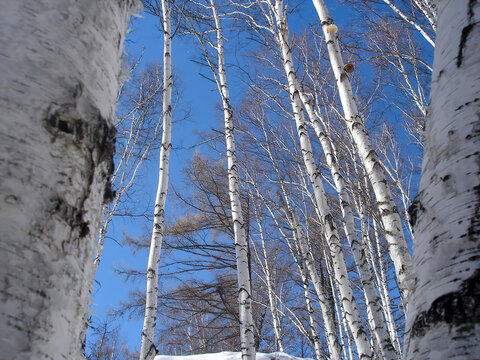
226 355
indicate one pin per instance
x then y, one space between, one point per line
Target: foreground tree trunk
60 67
444 320
147 348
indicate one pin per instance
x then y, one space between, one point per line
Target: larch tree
444 318
60 68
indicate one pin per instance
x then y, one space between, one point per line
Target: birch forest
327 206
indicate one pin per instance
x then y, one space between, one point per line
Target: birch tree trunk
444 319
372 300
391 220
306 255
60 68
327 312
340 270
307 258
147 348
241 242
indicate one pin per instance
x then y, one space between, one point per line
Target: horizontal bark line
455 308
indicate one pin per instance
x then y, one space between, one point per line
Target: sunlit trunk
241 246
331 234
147 346
60 67
385 202
443 319
372 300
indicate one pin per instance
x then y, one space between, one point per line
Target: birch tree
306 258
372 300
341 276
241 246
147 348
196 22
443 317
137 132
60 69
390 218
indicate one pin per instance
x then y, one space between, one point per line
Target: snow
228 355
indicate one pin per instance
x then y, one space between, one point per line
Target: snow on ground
226 355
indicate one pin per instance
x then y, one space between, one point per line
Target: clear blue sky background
202 97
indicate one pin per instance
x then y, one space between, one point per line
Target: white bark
340 269
306 255
241 246
443 319
382 282
372 299
311 313
412 22
327 310
147 347
60 68
388 211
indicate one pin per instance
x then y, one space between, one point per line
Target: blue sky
201 96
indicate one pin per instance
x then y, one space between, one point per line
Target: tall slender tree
391 220
340 270
241 240
147 347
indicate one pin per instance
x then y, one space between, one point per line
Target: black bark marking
474 228
463 41
414 209
94 139
327 22
465 32
72 215
60 121
456 308
471 4
466 104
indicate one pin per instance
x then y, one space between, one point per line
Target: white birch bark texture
147 348
397 244
247 339
331 234
444 320
304 258
60 68
307 258
372 299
